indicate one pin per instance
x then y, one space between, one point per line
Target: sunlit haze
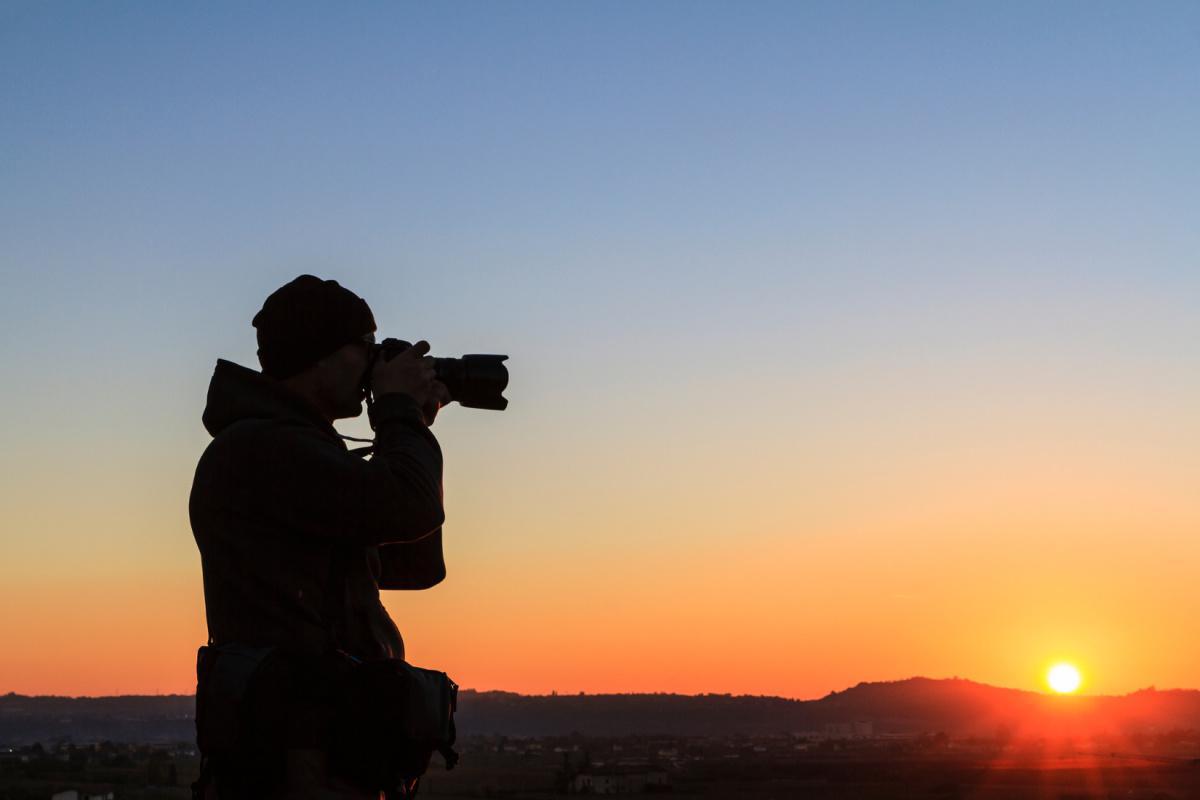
848 342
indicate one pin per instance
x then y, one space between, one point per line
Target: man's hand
430 409
411 372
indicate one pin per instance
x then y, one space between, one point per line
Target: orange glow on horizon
673 565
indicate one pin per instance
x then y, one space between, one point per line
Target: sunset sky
849 341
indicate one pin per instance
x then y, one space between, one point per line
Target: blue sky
661 161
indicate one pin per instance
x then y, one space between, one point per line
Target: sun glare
1063 678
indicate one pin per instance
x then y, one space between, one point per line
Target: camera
474 381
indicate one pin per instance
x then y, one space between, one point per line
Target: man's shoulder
239 434
256 435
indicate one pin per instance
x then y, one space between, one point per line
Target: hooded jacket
278 500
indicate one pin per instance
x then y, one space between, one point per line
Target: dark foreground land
927 766
863 743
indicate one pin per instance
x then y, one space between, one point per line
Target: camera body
474 381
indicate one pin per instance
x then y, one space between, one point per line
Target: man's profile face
341 376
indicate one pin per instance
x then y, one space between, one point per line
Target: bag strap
333 610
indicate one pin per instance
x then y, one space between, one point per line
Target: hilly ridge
955 706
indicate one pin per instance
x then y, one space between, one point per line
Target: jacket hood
236 393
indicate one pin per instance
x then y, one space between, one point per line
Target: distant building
618 781
850 730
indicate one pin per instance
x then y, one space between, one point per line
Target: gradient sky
850 341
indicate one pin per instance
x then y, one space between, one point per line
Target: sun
1063 678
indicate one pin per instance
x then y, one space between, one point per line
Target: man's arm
413 565
295 477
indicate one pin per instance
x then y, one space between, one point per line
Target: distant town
848 761
939 739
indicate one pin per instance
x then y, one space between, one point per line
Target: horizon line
555 693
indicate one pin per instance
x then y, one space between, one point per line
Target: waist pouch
391 719
224 675
379 721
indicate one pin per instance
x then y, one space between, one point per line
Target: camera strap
361 452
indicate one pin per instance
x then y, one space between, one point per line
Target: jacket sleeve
294 477
412 565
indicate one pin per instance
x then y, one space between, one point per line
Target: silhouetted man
297 535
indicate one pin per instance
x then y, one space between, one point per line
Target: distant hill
145 719
956 706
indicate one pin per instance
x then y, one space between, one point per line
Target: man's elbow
428 578
432 518
414 524
414 576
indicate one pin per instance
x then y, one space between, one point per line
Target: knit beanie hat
305 320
